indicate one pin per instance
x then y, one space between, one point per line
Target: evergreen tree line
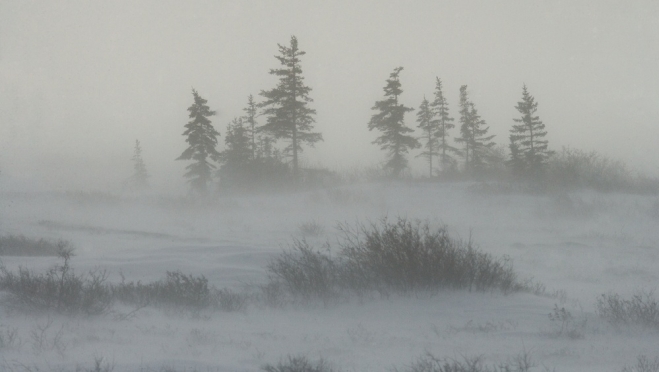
473 145
252 155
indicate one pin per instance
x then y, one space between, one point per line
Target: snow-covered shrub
641 309
566 325
228 300
19 245
299 364
431 363
399 256
311 228
177 290
408 255
643 364
100 365
574 168
59 289
9 337
305 272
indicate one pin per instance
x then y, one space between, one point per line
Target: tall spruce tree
252 126
202 140
237 152
424 116
140 178
477 144
443 122
390 120
465 122
528 148
482 145
288 116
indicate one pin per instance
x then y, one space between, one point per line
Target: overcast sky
80 81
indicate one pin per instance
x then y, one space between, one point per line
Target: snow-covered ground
579 245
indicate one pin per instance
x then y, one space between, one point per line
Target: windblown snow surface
579 245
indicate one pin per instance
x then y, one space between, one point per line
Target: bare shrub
299 364
430 363
185 290
19 245
100 365
641 309
228 300
9 338
406 256
62 291
305 272
574 168
177 290
643 364
273 294
311 228
566 325
401 256
43 339
59 289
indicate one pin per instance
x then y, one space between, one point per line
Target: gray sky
81 80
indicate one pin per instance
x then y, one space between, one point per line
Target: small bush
305 272
43 339
228 300
59 289
643 364
273 294
400 256
642 309
177 290
299 364
565 325
100 365
406 256
19 245
430 363
185 290
574 168
9 337
311 228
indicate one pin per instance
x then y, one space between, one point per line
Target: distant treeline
267 155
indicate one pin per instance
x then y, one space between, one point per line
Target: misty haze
290 186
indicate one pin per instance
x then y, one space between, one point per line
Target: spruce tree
252 125
285 106
140 178
236 159
482 145
516 162
237 139
202 140
477 144
443 123
465 123
424 116
265 147
528 137
390 121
